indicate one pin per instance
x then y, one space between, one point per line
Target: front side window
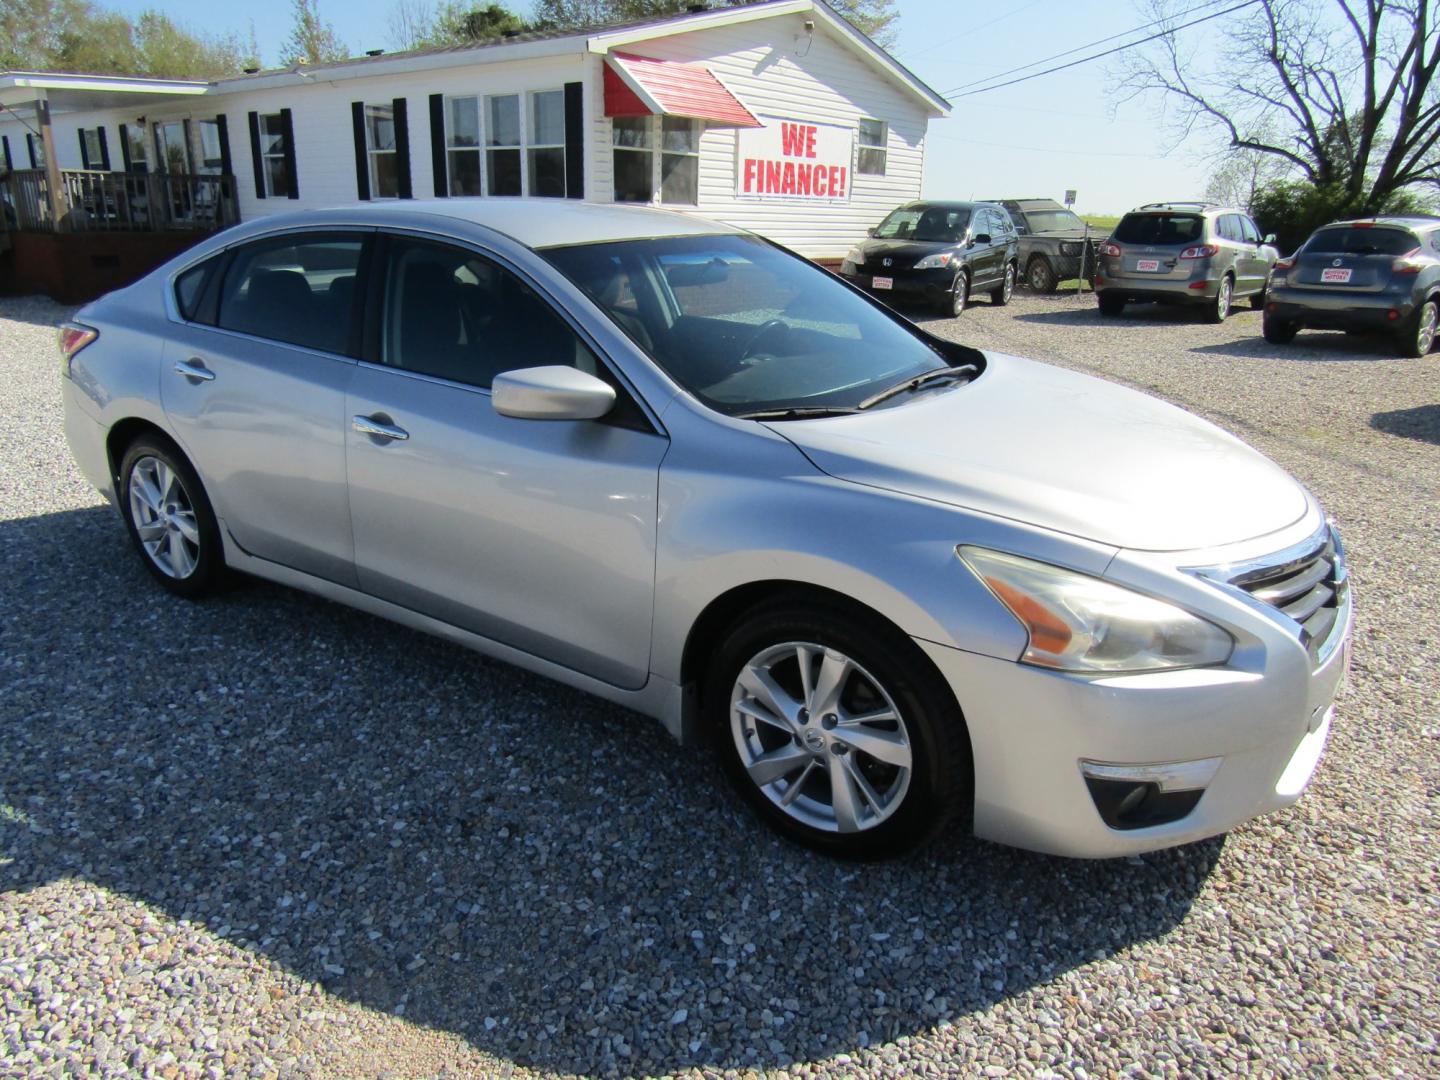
746 327
380 148
502 144
546 154
874 141
273 156
1248 229
462 145
297 289
634 158
453 314
679 161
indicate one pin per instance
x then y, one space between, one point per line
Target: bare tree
1342 91
411 24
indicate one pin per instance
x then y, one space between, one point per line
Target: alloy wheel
1425 328
164 517
1222 299
1009 285
820 737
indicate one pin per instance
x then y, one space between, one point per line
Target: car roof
1032 204
1403 221
948 204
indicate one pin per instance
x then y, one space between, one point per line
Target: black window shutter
574 140
362 169
5 146
255 157
437 145
402 149
292 175
125 148
84 151
30 146
104 149
222 128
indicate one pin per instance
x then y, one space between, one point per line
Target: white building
778 117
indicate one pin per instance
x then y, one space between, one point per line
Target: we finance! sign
793 159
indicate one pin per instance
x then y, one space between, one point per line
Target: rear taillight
73 338
1409 263
1284 265
1112 250
1200 251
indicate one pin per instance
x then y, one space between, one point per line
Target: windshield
747 327
1353 241
1159 229
927 224
1053 221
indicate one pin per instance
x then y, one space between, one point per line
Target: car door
986 257
1258 255
254 386
537 534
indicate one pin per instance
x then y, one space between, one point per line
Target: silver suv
1185 253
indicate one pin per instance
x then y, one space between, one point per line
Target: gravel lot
269 836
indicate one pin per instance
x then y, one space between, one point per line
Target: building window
273 155
37 151
93 154
679 161
546 152
634 156
380 148
502 144
462 145
134 136
874 137
212 157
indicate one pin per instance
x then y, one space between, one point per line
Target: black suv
939 253
1053 242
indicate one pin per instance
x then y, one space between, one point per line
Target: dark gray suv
1378 274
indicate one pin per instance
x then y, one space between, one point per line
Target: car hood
1063 234
904 249
1062 451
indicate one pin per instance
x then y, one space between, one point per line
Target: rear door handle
194 369
368 425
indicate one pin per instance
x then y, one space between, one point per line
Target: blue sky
1035 139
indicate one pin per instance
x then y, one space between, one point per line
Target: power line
1107 52
1082 48
968 31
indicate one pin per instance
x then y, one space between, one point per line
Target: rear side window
1354 241
299 289
1160 229
190 288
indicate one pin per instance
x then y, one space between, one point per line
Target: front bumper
916 286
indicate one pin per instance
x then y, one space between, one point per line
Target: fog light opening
1392 314
1272 308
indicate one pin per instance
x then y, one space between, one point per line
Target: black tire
1417 335
1040 275
207 574
938 787
953 305
1278 331
1110 304
1224 297
1001 296
1257 302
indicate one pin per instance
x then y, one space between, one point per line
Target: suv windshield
1369 241
747 327
1053 221
1159 229
927 224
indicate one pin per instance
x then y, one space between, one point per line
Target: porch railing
93 201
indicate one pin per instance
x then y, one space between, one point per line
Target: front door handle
368 425
194 369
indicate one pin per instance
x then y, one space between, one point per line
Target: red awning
643 86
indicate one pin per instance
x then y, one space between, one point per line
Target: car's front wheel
169 518
1001 296
840 735
1417 337
959 294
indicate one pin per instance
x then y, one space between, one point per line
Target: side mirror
551 393
980 238
1269 238
871 230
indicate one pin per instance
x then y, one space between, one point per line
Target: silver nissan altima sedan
900 584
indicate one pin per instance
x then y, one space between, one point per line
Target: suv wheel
1220 306
1418 336
835 731
1001 296
1278 331
1040 275
954 302
1110 304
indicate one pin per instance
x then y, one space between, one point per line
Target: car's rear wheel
841 736
1278 331
1040 275
1417 337
1220 306
1110 305
955 300
1001 296
169 518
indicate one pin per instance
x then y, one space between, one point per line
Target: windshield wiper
796 412
917 381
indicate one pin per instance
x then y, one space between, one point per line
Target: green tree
1293 209
415 24
312 39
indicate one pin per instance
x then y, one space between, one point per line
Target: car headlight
1081 623
856 256
937 261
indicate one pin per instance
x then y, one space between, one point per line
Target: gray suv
1185 253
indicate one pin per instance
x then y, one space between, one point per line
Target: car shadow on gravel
423 831
1308 347
1085 313
1421 422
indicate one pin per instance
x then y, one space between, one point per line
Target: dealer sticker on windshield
1340 276
886 283
1147 264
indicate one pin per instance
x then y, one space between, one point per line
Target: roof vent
251 70
374 52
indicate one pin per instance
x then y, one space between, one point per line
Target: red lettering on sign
802 179
772 176
792 140
787 185
821 188
810 142
751 168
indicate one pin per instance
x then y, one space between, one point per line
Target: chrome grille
1308 588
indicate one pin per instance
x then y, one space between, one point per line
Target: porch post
59 204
